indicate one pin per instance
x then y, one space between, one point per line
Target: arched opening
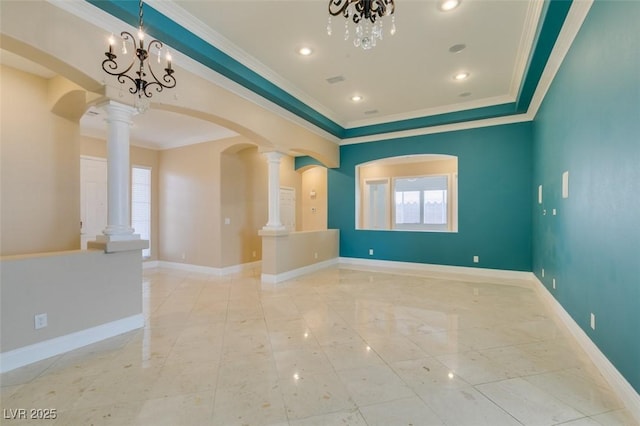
408 193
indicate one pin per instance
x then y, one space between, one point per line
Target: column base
273 231
117 243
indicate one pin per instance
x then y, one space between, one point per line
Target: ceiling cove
164 28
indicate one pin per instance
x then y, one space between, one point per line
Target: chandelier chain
141 16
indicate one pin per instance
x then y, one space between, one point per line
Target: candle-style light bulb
168 57
112 42
141 38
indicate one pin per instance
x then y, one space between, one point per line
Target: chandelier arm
340 7
110 66
168 80
378 9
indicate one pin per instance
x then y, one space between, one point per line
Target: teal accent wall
305 160
494 198
589 125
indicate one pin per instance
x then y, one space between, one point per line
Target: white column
273 160
118 173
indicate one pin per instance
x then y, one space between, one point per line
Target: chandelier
142 79
364 14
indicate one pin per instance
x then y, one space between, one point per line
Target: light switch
565 185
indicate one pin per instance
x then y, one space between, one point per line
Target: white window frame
145 233
448 226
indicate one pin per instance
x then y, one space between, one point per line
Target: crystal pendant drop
141 104
346 30
329 29
393 25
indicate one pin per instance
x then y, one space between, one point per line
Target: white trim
277 278
194 25
572 24
150 264
488 122
428 112
234 269
411 267
525 46
622 388
42 350
187 267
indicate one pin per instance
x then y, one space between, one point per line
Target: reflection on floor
337 347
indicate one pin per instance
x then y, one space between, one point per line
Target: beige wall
291 251
245 202
189 199
39 169
378 170
145 157
243 205
314 208
213 202
33 29
77 290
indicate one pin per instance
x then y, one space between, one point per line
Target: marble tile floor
337 347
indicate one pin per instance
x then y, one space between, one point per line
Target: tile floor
337 347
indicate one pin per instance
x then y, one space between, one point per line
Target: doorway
93 198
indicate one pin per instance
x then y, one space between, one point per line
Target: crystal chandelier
364 14
143 78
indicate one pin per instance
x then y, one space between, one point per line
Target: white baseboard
630 398
149 264
277 278
207 269
229 270
411 267
39 351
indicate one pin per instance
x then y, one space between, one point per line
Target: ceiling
409 74
406 78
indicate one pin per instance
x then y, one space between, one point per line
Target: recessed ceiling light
447 5
305 51
356 98
465 94
457 48
461 76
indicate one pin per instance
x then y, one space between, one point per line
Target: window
141 204
422 203
410 193
376 204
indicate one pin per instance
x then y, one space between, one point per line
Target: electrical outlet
370 252
315 255
554 283
476 259
227 221
184 256
40 321
253 253
593 321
